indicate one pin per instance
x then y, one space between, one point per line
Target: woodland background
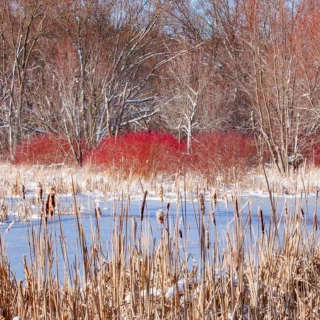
237 80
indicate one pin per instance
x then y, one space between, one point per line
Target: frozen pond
16 239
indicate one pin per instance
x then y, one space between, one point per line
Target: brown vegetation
246 273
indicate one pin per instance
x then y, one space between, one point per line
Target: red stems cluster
143 154
44 149
217 152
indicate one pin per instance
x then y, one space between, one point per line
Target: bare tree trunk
189 136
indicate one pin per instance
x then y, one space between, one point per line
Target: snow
180 287
143 293
112 198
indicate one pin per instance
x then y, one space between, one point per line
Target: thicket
140 154
44 149
229 155
91 70
148 154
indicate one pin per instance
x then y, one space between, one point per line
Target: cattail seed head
39 192
261 219
207 238
202 206
161 193
301 212
160 216
51 203
97 210
315 221
23 192
3 213
134 229
143 205
214 198
212 215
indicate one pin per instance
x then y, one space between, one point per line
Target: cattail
4 213
214 198
226 202
202 206
237 208
23 192
52 190
180 233
143 205
39 193
160 216
212 215
134 229
51 203
315 220
261 219
15 188
161 193
168 209
301 212
207 238
250 219
97 210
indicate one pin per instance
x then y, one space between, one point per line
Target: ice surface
15 231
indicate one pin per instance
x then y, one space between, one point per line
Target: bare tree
22 25
103 70
199 93
308 63
192 75
264 65
131 80
89 69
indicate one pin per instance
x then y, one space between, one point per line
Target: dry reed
240 275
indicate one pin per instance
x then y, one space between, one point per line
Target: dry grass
244 274
15 181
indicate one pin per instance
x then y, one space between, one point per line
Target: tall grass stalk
241 273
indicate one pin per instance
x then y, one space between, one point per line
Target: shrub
44 149
314 154
228 154
142 154
309 146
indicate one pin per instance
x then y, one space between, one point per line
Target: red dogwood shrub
142 154
44 149
309 147
222 153
313 154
